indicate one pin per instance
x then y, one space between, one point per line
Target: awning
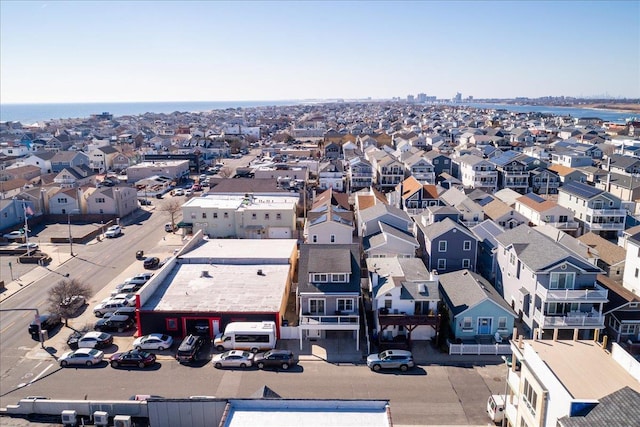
524 291
183 224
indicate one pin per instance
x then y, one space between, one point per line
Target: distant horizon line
325 100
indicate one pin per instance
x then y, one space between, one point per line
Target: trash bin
285 322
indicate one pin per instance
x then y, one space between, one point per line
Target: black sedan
274 359
151 262
133 358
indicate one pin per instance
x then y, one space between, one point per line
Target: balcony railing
594 293
606 212
339 321
407 319
606 225
591 320
567 225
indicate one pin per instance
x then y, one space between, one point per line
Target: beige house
120 201
241 217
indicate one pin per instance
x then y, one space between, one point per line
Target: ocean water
32 113
606 115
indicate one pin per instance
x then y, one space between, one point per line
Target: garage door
279 233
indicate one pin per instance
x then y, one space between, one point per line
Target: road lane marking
41 373
6 327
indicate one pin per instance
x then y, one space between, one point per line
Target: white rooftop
307 413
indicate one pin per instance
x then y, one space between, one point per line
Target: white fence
289 333
477 349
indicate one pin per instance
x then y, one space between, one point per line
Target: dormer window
319 277
339 278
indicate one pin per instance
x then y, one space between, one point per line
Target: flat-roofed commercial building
214 282
242 216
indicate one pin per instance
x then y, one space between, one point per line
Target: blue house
446 245
475 308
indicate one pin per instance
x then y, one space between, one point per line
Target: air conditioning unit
122 421
101 418
69 418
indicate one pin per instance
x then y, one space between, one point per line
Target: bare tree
225 172
171 207
67 296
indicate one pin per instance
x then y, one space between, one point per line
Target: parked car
144 202
274 359
178 192
109 305
169 228
73 303
130 312
81 356
48 322
123 288
233 359
72 341
189 347
151 262
14 235
391 359
188 192
137 358
95 340
119 323
113 231
28 246
153 342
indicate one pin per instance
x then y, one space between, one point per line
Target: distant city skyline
66 52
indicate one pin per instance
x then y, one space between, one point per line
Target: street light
69 224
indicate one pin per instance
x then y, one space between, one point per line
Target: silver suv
391 359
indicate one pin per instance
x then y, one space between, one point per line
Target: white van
495 407
253 336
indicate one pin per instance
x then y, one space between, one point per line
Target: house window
388 304
314 238
562 280
502 323
62 200
215 215
100 200
614 324
344 304
466 263
316 306
254 216
339 278
320 277
628 329
635 274
442 263
193 215
512 259
467 324
442 246
278 216
171 324
204 215
333 238
466 245
530 397
266 216
436 161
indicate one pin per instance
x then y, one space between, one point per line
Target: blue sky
54 51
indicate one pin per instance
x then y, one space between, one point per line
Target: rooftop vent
260 273
205 273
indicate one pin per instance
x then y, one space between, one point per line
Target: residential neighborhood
379 226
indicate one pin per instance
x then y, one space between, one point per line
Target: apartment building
595 209
549 286
479 173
